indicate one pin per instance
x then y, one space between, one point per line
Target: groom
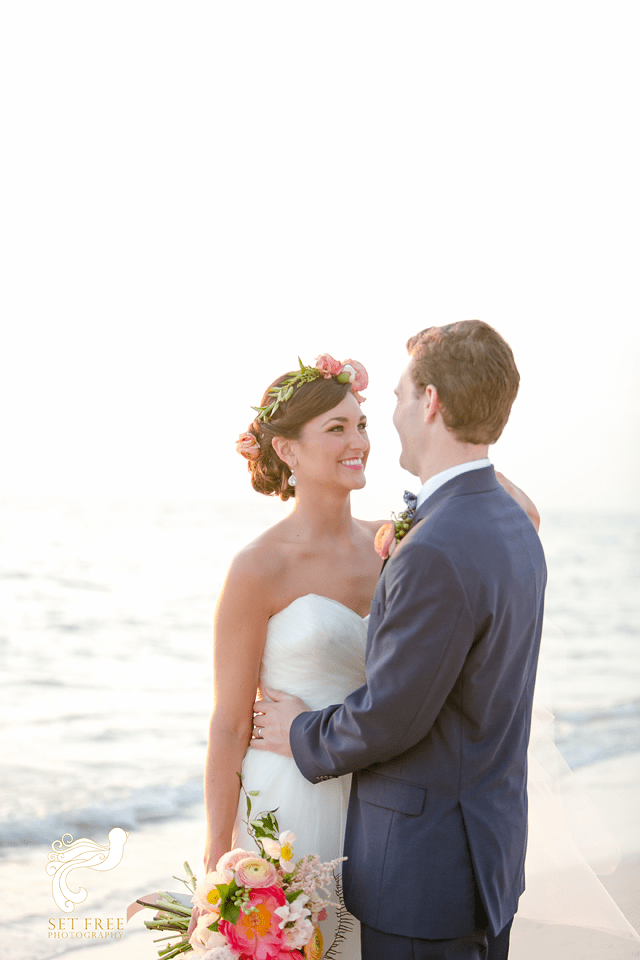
437 736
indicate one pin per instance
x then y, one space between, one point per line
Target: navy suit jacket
437 736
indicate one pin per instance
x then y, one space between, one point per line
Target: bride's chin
359 481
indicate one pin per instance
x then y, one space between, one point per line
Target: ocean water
105 651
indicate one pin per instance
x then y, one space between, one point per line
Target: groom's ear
284 449
430 402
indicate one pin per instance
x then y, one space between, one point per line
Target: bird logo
69 854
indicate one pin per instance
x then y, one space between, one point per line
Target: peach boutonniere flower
391 533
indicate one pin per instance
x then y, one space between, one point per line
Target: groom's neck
451 455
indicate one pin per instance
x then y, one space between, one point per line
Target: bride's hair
269 475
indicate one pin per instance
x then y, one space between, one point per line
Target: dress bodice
315 649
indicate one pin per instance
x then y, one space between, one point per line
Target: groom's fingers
272 722
277 695
271 730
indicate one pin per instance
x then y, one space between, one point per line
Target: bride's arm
239 634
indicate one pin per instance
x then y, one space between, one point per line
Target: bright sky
194 194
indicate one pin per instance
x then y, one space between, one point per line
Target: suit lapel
473 481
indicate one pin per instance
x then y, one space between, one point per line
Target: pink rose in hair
358 376
248 446
327 365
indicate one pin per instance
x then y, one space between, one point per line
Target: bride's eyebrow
336 420
362 419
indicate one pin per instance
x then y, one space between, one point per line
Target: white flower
202 939
221 953
281 849
295 922
348 368
206 896
298 936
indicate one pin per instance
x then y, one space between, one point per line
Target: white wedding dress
315 649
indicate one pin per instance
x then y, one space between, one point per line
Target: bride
292 614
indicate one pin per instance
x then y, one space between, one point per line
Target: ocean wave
598 733
144 804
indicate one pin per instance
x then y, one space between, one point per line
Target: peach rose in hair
358 376
247 446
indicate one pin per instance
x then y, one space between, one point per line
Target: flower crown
349 371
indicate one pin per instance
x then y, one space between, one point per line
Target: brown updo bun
269 475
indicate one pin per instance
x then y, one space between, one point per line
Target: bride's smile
335 439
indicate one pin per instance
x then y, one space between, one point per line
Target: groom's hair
474 372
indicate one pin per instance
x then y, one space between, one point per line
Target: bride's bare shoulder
263 559
370 527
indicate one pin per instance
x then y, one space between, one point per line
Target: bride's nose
358 442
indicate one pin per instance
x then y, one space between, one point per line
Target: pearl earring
292 479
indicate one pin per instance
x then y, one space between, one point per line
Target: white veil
568 841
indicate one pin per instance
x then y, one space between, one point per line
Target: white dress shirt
438 479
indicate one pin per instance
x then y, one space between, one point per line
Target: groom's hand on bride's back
272 721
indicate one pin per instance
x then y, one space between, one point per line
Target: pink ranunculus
358 375
247 446
327 365
257 933
227 862
255 872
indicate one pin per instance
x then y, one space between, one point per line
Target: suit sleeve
414 659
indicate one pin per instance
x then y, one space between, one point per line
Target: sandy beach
156 851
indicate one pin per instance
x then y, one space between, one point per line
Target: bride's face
333 448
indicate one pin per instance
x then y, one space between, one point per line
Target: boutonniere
391 533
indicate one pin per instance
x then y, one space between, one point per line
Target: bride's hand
272 721
520 497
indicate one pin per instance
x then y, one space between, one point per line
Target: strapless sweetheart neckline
319 596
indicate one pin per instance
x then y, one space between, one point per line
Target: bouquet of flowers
254 907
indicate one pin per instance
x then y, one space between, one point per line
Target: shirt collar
433 483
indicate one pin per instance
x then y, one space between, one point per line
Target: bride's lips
354 463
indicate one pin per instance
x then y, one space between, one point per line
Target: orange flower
385 540
313 950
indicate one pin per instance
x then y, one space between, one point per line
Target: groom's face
408 419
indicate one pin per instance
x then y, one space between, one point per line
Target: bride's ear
284 449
